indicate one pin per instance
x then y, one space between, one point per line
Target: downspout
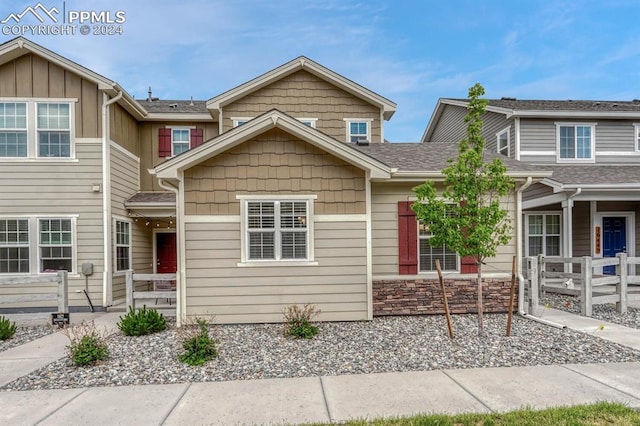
519 246
106 197
180 291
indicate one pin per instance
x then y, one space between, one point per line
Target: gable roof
20 46
172 168
594 176
301 63
511 107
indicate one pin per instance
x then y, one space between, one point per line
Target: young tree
467 216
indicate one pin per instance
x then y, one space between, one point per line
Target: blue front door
614 239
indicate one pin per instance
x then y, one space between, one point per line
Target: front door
166 253
614 239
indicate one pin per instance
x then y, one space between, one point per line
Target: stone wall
423 296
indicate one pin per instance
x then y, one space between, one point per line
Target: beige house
280 191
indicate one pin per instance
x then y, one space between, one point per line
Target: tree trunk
480 303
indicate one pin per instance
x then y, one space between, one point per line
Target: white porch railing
540 279
61 293
133 295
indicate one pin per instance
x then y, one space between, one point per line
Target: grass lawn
603 413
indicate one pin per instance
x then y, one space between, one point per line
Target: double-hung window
427 254
180 140
543 234
575 142
277 229
123 245
502 142
14 246
13 129
55 244
54 130
358 130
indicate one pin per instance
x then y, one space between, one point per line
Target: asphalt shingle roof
174 106
587 174
430 157
152 197
562 105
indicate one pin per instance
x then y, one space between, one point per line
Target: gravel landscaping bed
26 334
383 345
604 312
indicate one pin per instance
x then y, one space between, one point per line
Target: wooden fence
592 291
133 295
61 295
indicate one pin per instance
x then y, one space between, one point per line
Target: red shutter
468 265
197 137
164 142
407 239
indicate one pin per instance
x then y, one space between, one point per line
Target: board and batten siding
50 188
304 95
384 226
31 76
615 140
216 285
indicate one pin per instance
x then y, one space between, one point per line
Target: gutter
106 197
519 245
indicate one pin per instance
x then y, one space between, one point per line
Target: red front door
167 257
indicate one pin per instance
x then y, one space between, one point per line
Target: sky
411 52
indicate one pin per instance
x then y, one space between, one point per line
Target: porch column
567 232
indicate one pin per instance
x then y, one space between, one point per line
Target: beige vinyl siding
125 172
61 188
124 129
384 224
581 224
536 190
30 76
217 286
274 163
149 148
303 95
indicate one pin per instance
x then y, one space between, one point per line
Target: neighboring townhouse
280 191
588 206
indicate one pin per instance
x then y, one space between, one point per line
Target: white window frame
16 129
238 121
32 129
349 121
117 245
544 235
575 159
18 245
636 137
180 128
278 261
420 225
311 122
500 150
73 244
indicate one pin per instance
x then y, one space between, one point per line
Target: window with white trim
32 128
14 246
13 129
543 234
636 136
239 121
311 122
277 230
358 130
180 140
575 142
427 254
55 245
502 142
122 245
54 130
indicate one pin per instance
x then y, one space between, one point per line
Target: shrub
87 344
198 345
298 321
145 321
7 329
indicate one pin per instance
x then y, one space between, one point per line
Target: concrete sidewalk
320 399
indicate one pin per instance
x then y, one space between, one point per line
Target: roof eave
576 114
179 116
